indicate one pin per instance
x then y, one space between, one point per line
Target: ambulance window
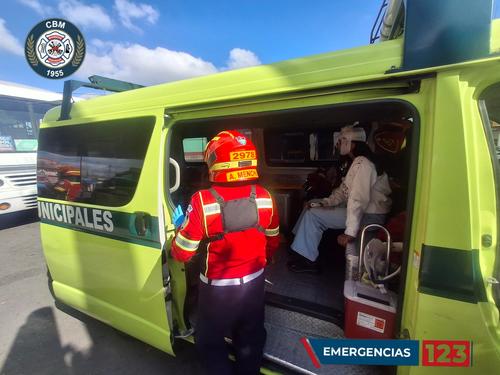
321 146
287 147
193 149
284 148
98 163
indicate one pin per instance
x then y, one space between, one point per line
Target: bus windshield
19 122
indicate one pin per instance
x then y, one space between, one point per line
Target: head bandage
347 135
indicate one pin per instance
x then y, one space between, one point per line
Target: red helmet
231 157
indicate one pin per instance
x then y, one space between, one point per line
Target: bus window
19 121
96 164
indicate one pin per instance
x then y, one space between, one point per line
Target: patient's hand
313 203
344 239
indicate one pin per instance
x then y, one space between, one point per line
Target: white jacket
364 192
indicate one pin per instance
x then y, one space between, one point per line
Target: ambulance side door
104 244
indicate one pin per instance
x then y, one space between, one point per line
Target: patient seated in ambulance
361 199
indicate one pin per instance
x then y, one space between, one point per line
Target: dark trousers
237 312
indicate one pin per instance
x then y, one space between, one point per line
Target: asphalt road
38 337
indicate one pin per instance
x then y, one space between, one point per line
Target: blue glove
178 217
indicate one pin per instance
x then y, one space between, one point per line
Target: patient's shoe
304 266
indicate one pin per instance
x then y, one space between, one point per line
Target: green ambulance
137 155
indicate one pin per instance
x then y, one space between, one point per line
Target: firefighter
238 220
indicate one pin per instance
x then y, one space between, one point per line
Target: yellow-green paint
495 41
455 205
454 202
115 281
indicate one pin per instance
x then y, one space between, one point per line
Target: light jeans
314 221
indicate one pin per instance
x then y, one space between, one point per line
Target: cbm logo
55 48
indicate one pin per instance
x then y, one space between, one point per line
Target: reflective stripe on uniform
233 281
264 203
210 209
272 232
185 243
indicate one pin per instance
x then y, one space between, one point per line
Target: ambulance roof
356 65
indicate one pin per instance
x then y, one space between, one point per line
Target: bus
427 94
21 110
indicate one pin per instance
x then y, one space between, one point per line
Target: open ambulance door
174 279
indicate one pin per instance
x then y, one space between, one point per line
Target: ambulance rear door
104 238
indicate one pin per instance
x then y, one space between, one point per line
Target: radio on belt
369 312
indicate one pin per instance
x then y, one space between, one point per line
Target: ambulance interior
291 146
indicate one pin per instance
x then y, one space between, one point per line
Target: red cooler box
369 314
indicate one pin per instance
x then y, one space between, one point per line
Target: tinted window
98 163
299 147
287 147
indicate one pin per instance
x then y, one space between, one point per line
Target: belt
235 281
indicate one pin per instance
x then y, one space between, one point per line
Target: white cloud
9 42
149 66
242 58
127 11
37 6
139 64
91 15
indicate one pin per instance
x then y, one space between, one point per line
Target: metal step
284 331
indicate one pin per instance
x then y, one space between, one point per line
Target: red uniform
239 221
237 254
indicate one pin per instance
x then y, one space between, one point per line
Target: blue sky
153 41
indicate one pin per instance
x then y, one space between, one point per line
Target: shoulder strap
217 196
221 202
253 193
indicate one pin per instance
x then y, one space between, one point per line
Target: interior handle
177 175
